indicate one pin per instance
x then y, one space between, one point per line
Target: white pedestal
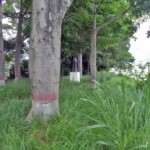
75 76
2 82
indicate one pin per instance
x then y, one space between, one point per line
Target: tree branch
98 5
102 2
116 17
65 5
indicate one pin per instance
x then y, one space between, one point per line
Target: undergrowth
114 116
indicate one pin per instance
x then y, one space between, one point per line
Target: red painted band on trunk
44 97
2 78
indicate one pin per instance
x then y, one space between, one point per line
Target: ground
114 116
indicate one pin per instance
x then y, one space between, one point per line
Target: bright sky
8 33
140 48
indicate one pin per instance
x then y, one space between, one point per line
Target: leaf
104 143
95 126
140 146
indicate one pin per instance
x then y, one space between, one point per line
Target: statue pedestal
75 76
2 82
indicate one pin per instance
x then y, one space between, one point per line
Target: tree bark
80 63
93 50
88 63
44 56
19 41
2 64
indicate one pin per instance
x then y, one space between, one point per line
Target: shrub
105 76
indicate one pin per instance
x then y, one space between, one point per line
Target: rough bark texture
2 66
80 63
19 41
93 51
44 56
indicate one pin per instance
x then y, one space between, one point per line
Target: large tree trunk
93 51
19 41
2 66
44 56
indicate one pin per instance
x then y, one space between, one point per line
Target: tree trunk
44 56
2 65
19 41
93 51
88 63
95 29
80 63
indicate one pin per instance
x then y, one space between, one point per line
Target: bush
105 76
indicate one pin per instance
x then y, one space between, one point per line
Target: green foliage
104 76
75 29
110 78
113 41
7 7
27 26
27 4
121 79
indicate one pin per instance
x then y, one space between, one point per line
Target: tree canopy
113 40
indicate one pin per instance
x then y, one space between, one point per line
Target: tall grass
115 116
120 122
57 133
12 89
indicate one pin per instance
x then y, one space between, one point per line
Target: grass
115 116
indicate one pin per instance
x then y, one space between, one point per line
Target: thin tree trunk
96 29
44 56
93 51
80 63
19 41
88 63
2 65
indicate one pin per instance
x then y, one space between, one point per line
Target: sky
8 33
140 48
